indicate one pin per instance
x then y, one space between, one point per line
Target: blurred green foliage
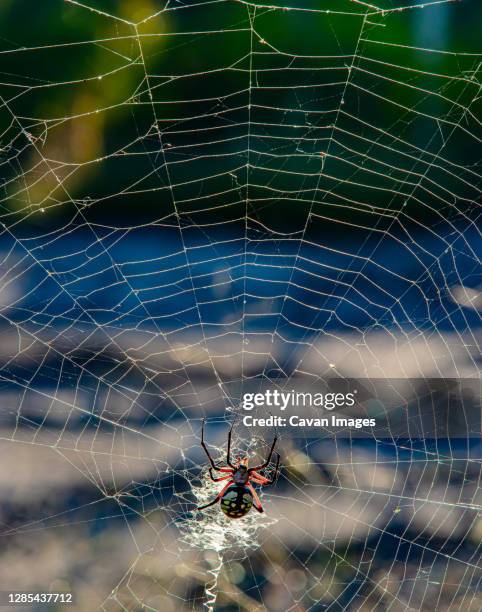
124 111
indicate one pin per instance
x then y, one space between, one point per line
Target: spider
238 495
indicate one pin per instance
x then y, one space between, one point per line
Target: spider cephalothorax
238 495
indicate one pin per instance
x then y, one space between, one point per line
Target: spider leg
256 502
269 481
268 460
214 479
217 498
275 476
203 444
258 479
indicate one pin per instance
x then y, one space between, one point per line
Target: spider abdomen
237 501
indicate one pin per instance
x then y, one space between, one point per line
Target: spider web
198 196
